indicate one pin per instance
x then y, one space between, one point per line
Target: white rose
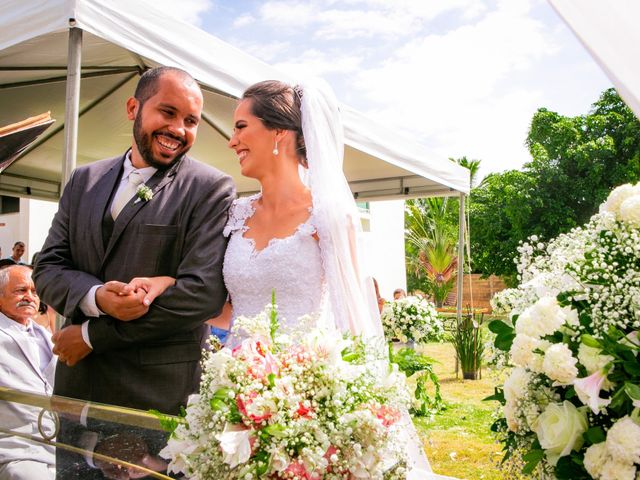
612 470
515 386
594 458
623 441
559 364
630 210
559 429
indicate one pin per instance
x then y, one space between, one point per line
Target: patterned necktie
126 193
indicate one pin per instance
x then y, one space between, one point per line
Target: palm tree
431 235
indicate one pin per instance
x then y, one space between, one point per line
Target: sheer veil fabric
353 303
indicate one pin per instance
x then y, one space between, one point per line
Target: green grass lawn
458 441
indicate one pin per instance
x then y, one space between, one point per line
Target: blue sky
461 77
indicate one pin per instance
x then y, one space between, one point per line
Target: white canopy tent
80 59
101 47
610 33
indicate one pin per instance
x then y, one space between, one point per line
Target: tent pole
459 279
72 104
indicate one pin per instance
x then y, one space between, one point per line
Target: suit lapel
101 195
156 183
25 348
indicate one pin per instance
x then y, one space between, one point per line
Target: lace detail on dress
291 266
240 210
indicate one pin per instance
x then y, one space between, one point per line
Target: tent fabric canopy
609 31
120 40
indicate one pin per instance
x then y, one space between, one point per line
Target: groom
116 349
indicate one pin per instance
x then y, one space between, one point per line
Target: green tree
576 161
431 246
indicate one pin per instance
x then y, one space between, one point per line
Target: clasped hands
122 301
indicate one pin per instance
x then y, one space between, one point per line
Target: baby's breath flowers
299 406
412 319
571 405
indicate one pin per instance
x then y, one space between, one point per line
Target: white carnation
612 470
542 318
522 351
623 441
559 364
591 358
630 210
516 385
594 458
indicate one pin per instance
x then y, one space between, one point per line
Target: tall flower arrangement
412 319
571 405
300 406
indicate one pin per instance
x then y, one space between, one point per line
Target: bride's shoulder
241 209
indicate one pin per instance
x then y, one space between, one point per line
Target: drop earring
275 149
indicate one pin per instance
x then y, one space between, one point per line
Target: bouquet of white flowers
276 408
412 319
572 402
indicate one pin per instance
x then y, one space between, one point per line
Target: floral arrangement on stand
571 405
307 405
412 319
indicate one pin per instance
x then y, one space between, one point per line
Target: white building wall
31 226
386 246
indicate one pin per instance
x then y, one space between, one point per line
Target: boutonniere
144 193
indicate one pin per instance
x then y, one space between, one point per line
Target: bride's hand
153 286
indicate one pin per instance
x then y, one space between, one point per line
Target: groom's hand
117 300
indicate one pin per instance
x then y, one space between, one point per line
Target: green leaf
595 435
261 459
532 458
168 422
271 378
498 327
504 341
276 430
590 341
633 391
498 396
632 367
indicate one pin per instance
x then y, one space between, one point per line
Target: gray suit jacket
151 362
20 370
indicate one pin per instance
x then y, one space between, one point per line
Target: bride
299 235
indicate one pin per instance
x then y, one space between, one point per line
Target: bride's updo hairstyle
277 105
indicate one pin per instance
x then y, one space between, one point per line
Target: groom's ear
132 108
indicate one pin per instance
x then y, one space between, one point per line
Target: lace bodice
291 266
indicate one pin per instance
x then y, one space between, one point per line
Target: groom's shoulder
99 167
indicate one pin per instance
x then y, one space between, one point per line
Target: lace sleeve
240 210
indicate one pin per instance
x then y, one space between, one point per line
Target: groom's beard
144 141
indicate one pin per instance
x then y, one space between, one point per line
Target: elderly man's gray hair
4 276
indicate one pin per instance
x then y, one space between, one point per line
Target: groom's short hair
148 84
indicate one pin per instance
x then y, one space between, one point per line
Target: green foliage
169 422
468 341
431 240
575 162
410 362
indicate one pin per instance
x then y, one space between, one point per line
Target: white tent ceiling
120 39
610 33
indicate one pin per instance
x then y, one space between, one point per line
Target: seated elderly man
26 363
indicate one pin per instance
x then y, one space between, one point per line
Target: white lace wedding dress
291 266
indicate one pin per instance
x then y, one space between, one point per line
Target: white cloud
267 52
243 21
454 90
320 63
190 11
